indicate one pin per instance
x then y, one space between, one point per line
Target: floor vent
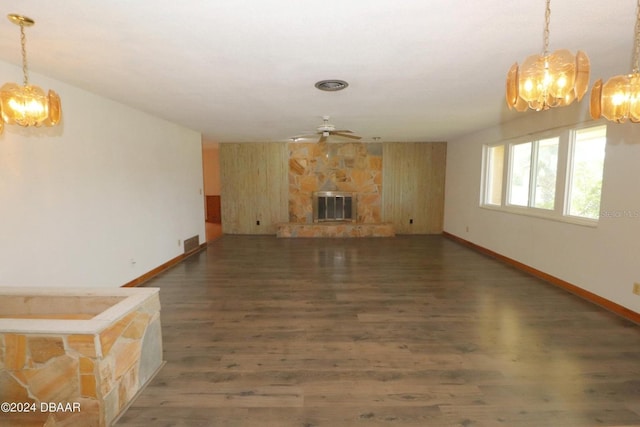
191 244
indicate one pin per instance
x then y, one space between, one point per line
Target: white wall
604 260
80 201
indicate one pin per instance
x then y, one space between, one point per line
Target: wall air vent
191 244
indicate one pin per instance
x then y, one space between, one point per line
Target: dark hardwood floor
405 331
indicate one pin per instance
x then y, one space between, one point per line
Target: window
556 175
585 177
532 173
546 169
520 172
493 177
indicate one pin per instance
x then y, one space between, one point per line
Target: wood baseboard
589 296
163 267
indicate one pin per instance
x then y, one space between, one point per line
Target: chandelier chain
23 43
636 53
547 20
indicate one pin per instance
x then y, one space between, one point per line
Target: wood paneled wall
254 187
413 177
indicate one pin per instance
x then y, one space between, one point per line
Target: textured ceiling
244 70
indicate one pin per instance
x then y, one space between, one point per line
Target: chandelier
618 99
26 104
547 80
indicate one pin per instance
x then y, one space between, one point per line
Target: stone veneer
328 166
100 363
338 229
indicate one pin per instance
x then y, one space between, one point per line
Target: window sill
543 214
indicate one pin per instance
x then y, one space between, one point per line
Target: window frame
534 172
510 156
566 143
570 165
485 193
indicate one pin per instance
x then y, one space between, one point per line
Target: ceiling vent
331 85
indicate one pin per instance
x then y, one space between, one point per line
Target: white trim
535 213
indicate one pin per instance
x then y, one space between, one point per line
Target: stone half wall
97 374
328 166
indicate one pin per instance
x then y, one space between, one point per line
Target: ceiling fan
326 129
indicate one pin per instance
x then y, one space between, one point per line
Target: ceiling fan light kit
326 129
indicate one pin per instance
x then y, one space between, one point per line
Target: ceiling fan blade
322 138
298 138
346 135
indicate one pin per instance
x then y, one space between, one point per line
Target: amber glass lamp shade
29 105
618 100
545 82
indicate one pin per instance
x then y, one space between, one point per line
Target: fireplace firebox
334 206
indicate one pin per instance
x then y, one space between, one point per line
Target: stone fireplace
354 168
335 190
